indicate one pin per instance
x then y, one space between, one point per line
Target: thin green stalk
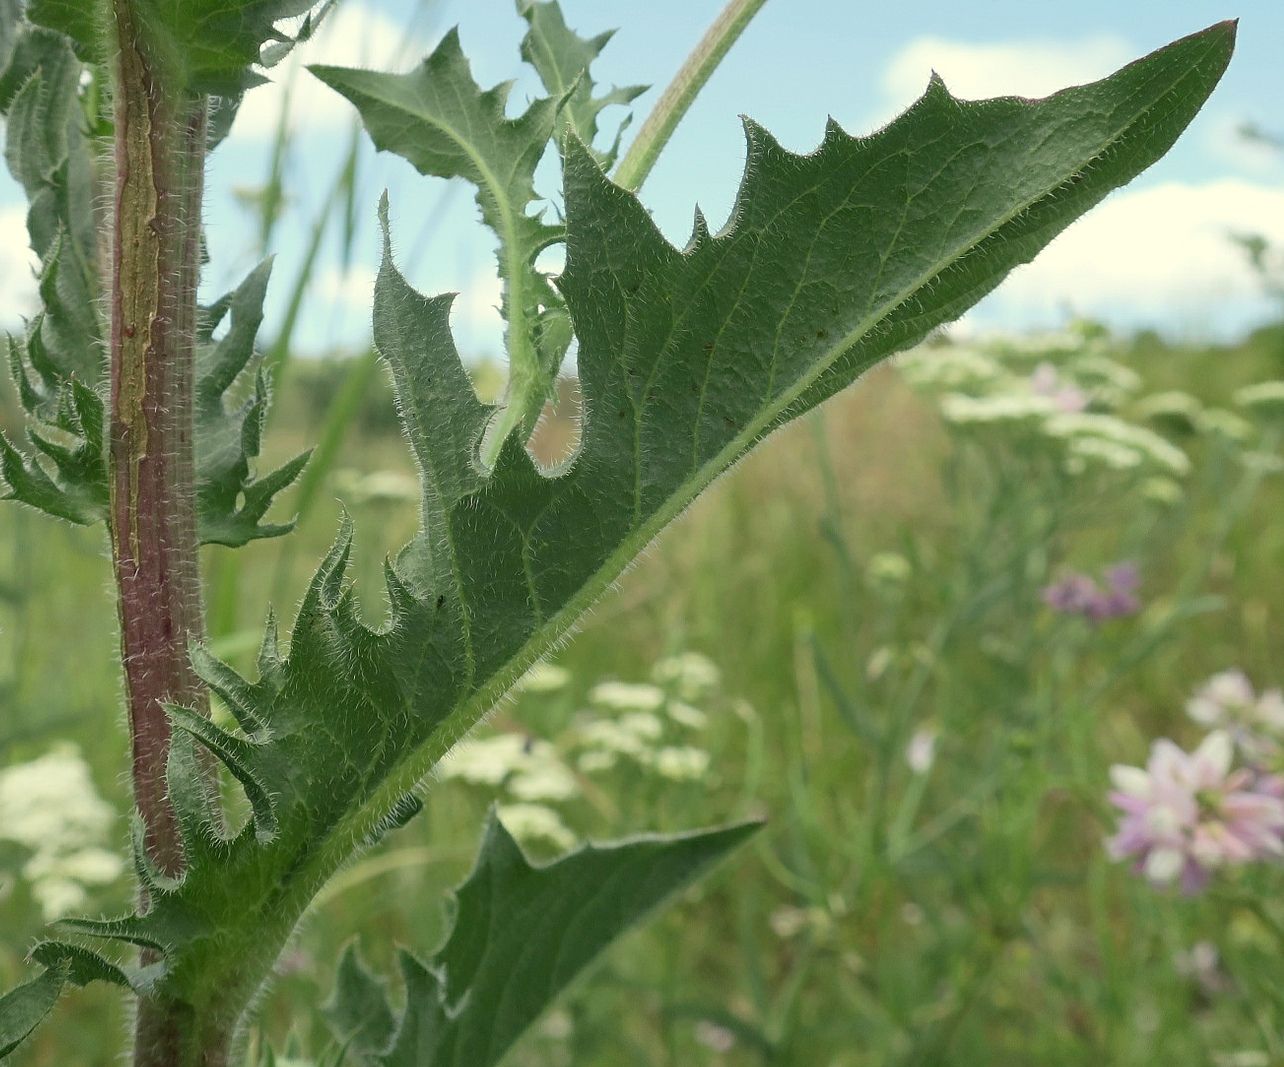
682 91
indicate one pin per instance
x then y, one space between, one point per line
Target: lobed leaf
563 59
441 121
25 1008
688 357
57 365
208 46
521 934
230 500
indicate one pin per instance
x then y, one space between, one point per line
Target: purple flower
1188 814
1113 598
1068 398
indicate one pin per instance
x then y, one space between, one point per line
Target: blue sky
1156 254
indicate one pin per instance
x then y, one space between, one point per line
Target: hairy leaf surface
521 935
57 365
688 357
230 500
563 60
441 121
25 1008
208 46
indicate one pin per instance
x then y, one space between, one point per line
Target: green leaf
440 120
230 500
687 359
10 21
358 1012
25 1008
57 365
521 935
563 60
207 46
79 20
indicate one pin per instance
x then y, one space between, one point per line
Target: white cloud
978 70
354 36
475 319
17 284
353 289
1160 256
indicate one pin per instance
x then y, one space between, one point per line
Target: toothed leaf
687 359
210 46
24 1008
521 935
358 1012
563 59
57 364
440 120
231 501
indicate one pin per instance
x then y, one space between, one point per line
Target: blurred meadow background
914 632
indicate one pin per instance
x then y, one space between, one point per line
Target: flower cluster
1065 393
1255 722
1186 815
646 726
1113 597
50 808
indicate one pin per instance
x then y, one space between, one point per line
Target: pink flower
1045 381
1228 701
1115 597
1188 814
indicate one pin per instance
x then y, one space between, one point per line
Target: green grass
967 916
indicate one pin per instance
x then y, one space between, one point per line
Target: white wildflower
89 866
377 487
1110 454
50 803
1264 398
643 724
1073 427
544 780
50 807
544 678
597 761
682 763
687 715
1162 491
609 736
1223 423
1107 377
485 761
953 367
627 696
1172 408
689 673
920 753
535 822
1000 408
888 569
714 1037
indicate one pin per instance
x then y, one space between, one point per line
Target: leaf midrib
411 770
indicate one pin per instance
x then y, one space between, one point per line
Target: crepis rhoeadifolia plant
687 358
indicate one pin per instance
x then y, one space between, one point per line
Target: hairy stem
682 91
160 137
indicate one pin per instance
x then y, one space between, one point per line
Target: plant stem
682 91
160 137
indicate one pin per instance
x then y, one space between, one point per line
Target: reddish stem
160 139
